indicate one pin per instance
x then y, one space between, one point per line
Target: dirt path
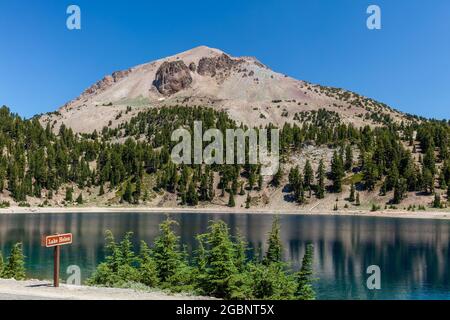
314 206
42 290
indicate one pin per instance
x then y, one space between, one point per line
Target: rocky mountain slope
247 89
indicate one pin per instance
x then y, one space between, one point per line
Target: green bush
4 204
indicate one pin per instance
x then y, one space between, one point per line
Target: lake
413 254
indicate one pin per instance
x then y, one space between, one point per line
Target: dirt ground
43 290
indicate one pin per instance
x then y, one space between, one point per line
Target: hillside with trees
326 164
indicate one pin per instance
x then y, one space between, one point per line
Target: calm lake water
414 255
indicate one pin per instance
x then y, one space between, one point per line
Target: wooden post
56 264
56 241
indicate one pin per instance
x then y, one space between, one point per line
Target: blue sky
406 64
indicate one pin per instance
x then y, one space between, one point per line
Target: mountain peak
249 91
196 53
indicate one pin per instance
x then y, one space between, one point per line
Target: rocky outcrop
106 82
210 66
172 77
192 67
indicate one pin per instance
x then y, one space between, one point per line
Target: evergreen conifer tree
305 290
231 202
166 252
320 193
351 198
275 247
80 198
337 172
357 201
437 201
15 266
69 194
248 201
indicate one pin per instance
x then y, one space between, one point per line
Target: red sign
57 240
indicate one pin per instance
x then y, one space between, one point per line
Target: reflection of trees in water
409 252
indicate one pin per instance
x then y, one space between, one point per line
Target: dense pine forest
131 165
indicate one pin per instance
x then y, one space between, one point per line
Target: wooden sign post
56 241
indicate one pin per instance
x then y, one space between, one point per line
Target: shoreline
30 289
440 215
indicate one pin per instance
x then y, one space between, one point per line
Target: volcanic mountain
248 90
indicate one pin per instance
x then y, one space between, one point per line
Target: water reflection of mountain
413 255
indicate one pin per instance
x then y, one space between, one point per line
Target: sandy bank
42 290
438 214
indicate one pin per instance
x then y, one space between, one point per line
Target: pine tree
308 175
138 190
101 191
192 195
260 182
147 267
305 290
428 180
15 266
204 188
442 181
357 201
351 198
437 201
201 261
248 201
126 249
166 251
337 172
127 194
383 189
399 191
251 180
231 202
69 194
370 173
183 194
392 178
348 158
146 196
275 247
276 180
300 192
211 192
220 258
429 160
80 198
242 191
320 193
2 264
234 186
294 174
240 249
